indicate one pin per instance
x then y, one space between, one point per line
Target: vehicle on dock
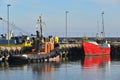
42 49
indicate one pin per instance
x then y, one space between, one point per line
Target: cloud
107 1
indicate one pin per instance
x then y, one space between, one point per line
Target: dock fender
16 51
11 52
5 52
0 51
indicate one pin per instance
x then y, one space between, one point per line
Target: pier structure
6 51
75 51
70 50
66 50
115 50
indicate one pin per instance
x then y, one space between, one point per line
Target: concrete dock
73 50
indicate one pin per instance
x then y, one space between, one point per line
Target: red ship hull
93 48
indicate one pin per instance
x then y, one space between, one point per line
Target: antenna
97 26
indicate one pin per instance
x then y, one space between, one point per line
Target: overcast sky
84 17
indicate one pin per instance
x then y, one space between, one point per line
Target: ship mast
103 30
40 21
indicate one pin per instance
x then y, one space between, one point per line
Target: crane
14 26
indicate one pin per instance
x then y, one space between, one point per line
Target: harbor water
88 68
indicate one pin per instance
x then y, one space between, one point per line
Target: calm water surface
89 68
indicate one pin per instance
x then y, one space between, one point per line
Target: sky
84 17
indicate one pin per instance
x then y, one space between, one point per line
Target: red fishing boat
94 48
98 47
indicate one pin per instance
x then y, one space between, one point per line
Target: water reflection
88 68
4 65
97 61
44 71
32 71
95 67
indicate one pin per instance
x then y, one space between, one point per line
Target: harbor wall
66 50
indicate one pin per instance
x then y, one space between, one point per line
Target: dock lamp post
3 24
8 22
66 23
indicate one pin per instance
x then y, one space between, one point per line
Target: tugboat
42 49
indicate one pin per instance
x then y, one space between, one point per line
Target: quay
115 50
71 51
66 50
